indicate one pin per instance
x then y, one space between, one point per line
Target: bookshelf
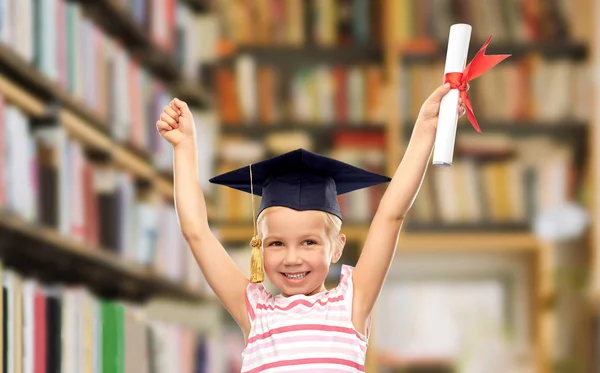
428 50
88 233
88 131
408 63
43 253
594 210
291 57
238 232
199 5
40 96
116 19
540 38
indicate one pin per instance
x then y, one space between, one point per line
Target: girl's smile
295 278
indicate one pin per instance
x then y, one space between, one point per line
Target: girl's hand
428 116
176 124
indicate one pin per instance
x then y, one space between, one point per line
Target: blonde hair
333 225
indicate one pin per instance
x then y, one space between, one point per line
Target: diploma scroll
456 59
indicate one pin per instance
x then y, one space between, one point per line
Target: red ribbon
479 65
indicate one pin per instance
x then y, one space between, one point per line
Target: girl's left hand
428 116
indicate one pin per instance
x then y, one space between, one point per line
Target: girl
306 328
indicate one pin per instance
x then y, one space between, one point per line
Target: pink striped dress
304 333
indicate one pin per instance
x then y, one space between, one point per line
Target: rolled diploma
456 59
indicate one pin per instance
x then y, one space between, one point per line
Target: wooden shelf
321 134
435 51
564 129
45 254
242 233
594 301
198 5
30 79
416 241
573 132
257 128
411 242
116 20
467 228
291 57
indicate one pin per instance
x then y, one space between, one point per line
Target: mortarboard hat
300 180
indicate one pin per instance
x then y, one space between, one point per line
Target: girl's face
297 250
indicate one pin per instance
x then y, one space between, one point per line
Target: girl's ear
339 248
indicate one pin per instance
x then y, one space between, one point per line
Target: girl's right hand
176 123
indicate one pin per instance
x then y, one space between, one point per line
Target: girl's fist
428 116
176 123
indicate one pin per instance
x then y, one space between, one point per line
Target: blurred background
497 266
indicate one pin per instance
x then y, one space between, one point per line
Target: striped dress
304 333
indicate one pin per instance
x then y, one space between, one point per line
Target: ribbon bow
478 65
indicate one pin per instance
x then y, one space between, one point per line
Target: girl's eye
310 242
276 243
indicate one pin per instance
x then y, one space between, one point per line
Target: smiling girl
305 328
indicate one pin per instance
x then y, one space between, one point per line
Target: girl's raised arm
380 245
176 125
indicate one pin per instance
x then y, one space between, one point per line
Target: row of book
46 177
158 18
173 26
528 177
359 149
507 20
66 328
297 22
322 94
58 39
531 88
356 22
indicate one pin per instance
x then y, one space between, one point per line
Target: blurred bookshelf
146 43
535 113
290 57
50 257
347 78
425 50
198 5
89 237
288 79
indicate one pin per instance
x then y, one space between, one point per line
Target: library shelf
30 79
242 232
116 20
467 227
567 128
49 256
89 134
321 134
455 241
594 301
198 5
432 51
292 56
317 128
422 242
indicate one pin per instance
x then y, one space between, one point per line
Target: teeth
296 276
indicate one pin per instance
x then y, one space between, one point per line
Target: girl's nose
292 257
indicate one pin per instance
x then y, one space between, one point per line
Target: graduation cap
300 180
